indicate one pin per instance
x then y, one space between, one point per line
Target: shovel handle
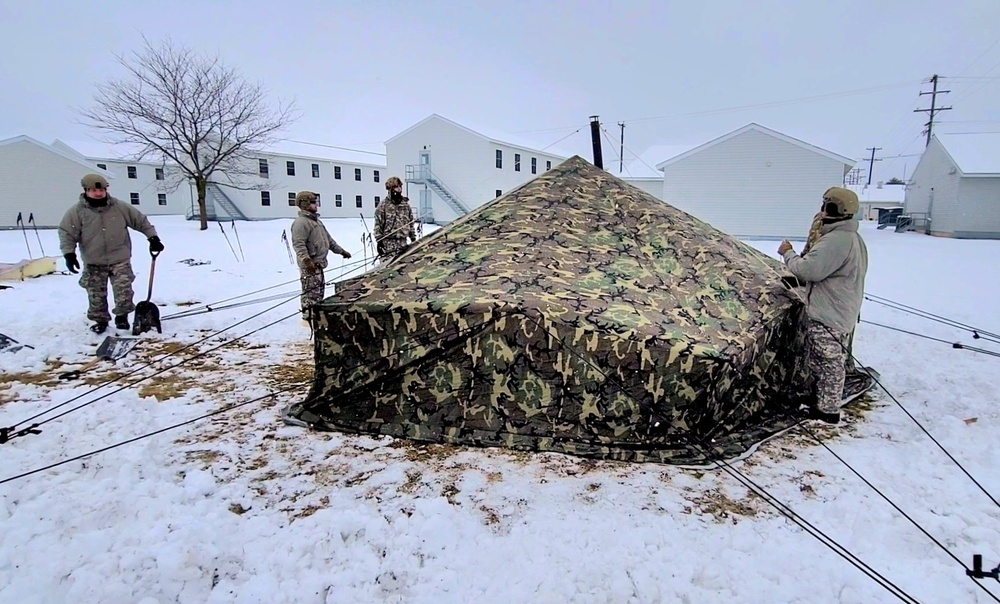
152 270
74 374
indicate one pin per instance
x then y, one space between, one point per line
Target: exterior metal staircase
914 221
215 199
421 174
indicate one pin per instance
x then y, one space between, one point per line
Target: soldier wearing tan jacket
834 273
99 224
312 242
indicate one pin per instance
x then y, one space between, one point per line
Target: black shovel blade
147 317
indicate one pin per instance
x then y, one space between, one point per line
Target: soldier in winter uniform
99 224
311 242
834 272
817 223
394 222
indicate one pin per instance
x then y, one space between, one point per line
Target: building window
499 159
290 168
265 198
375 175
336 172
358 202
357 174
534 165
291 198
517 162
161 199
319 202
315 168
377 200
134 198
262 168
548 165
131 172
102 166
159 173
499 193
338 200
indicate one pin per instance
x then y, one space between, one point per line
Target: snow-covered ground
240 508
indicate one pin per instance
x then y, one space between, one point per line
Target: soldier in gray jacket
312 242
834 273
99 224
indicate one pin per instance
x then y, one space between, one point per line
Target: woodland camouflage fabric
575 314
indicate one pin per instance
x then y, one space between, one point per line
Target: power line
335 147
778 103
563 138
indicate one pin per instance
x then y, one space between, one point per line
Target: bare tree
191 113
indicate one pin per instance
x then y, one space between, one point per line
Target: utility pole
621 150
595 139
934 109
871 162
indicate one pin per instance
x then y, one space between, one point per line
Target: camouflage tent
575 314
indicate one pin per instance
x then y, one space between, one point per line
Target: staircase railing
422 174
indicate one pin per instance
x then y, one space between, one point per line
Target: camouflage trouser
392 248
313 286
826 364
94 278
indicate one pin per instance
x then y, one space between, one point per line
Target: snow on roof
507 139
847 161
873 194
92 149
96 151
974 153
326 152
67 154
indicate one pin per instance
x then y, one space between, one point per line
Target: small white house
640 170
878 196
450 170
956 187
753 182
40 181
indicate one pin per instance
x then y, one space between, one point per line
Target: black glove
71 263
346 255
155 245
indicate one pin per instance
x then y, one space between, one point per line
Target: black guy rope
782 508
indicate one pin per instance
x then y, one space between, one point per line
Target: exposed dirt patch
722 508
47 378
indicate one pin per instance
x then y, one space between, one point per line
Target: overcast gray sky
364 70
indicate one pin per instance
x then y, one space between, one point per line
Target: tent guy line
897 508
750 484
782 508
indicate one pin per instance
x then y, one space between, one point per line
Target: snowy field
240 508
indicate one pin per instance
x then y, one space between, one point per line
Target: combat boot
121 322
99 327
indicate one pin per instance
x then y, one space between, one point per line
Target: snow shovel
147 315
111 349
